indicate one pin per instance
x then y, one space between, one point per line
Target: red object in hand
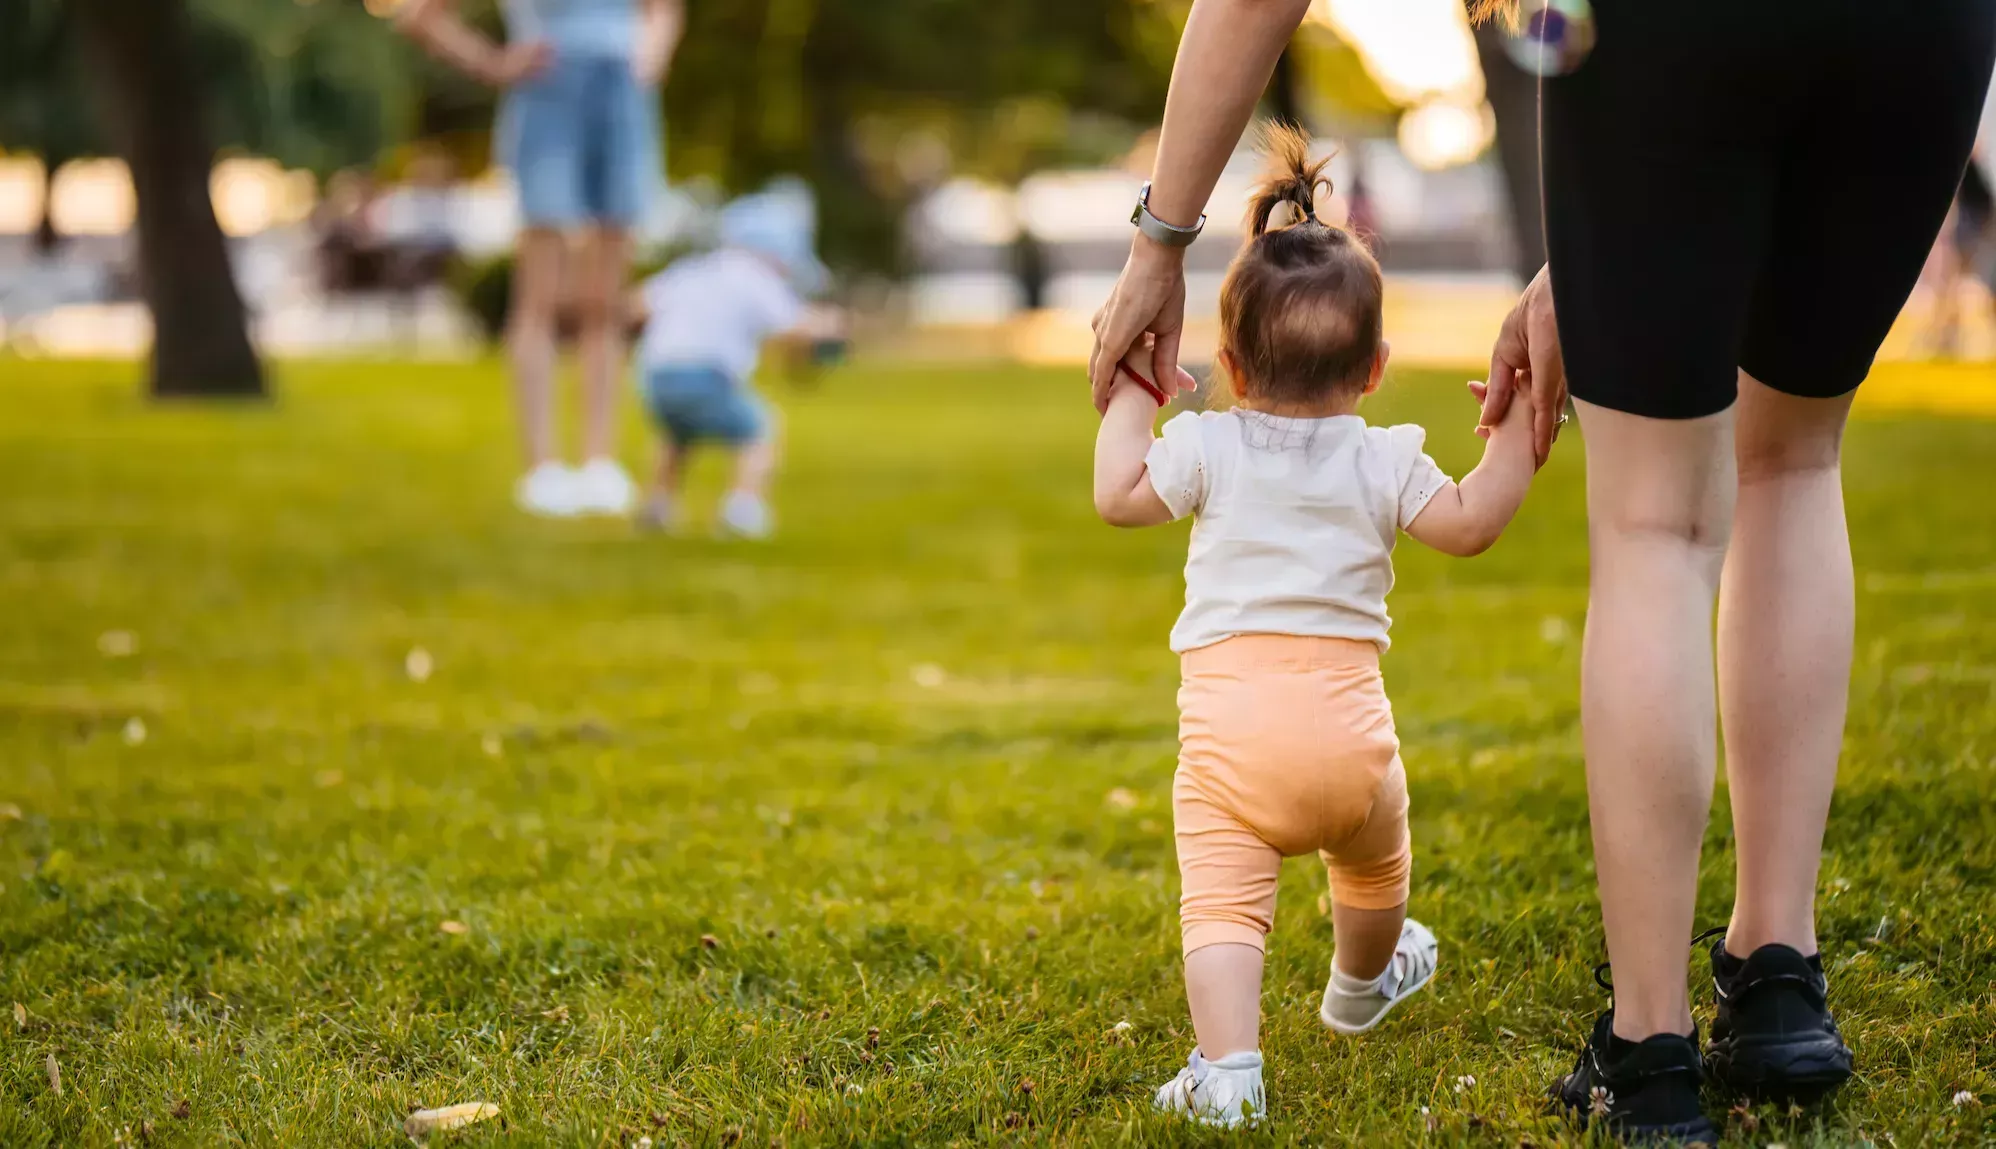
1150 388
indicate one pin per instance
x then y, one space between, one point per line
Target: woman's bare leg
603 263
1787 609
1659 511
530 329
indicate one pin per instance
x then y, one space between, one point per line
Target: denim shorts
582 139
703 404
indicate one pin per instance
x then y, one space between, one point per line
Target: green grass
813 841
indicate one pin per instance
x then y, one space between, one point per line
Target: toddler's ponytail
1290 178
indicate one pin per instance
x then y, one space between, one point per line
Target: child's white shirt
1294 521
715 310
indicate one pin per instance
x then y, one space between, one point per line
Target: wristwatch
1170 235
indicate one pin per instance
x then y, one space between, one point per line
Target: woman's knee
537 275
1781 435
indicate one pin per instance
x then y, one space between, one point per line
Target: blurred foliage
872 102
320 84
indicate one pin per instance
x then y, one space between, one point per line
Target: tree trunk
1514 97
141 62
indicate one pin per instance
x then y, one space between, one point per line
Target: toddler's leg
1365 939
1229 877
1382 956
662 504
1223 987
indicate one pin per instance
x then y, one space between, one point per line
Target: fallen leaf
182 1111
117 644
424 1122
55 1076
418 665
454 928
135 730
9 812
709 942
20 1016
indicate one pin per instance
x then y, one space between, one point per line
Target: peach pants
1286 746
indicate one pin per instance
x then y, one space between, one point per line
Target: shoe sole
1701 1131
1336 1026
1801 1070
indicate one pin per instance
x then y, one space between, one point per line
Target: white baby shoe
1352 1005
1225 1092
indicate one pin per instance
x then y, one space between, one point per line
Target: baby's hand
1517 415
1138 363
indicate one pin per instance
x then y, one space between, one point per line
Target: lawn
331 787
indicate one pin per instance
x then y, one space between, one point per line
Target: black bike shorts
1751 185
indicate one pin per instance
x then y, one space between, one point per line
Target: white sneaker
603 488
1226 1092
745 516
549 490
1354 1006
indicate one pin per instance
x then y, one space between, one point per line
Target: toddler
1286 737
707 317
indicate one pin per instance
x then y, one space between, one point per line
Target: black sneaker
1774 1037
1638 1091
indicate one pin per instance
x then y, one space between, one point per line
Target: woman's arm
1224 60
660 25
436 26
1124 496
1465 518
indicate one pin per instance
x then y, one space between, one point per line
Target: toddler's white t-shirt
715 310
1294 521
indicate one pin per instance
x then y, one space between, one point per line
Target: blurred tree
42 101
141 61
872 101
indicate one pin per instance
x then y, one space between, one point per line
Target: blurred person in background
1722 291
579 127
350 249
707 318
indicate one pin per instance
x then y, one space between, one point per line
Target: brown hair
1300 308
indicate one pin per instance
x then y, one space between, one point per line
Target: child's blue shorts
703 404
582 140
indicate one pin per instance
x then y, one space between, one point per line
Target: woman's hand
1149 298
517 63
1527 359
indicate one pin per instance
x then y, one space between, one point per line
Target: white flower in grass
117 644
928 675
1965 1098
1464 1082
1600 1101
135 731
418 664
